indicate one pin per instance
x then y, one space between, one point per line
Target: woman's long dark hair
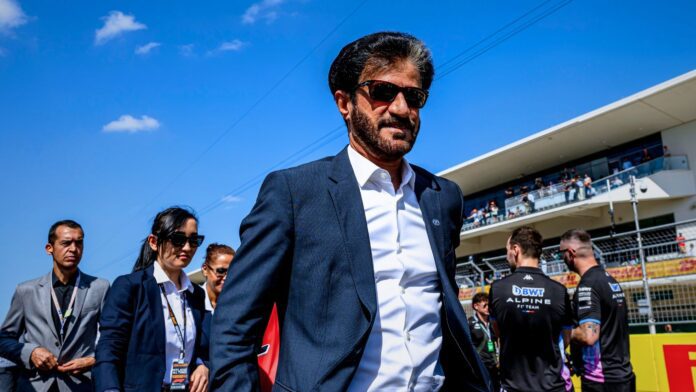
165 224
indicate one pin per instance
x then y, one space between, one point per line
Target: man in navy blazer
357 250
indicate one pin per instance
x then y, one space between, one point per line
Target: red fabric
268 359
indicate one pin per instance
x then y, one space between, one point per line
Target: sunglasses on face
179 239
382 91
221 271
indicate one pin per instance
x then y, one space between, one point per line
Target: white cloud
145 49
115 24
11 15
229 46
186 50
130 124
231 199
264 9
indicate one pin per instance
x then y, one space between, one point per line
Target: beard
387 147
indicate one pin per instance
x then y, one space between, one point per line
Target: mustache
398 122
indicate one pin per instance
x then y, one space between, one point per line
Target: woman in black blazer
150 326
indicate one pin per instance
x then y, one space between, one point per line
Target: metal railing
670 265
567 193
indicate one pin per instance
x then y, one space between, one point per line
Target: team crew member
602 314
483 337
51 328
151 324
532 316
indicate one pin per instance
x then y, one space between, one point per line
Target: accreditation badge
490 347
179 375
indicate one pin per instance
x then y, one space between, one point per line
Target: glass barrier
569 192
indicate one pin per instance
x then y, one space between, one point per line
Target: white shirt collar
162 277
208 305
365 170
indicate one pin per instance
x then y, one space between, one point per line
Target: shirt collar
533 270
162 278
208 305
56 283
365 170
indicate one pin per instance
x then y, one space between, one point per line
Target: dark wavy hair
165 224
376 52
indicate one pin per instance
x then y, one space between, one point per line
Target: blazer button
57 344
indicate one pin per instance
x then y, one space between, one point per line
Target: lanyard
177 327
483 327
63 317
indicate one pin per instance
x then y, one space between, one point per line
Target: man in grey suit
51 327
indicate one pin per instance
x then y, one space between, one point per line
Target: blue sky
111 111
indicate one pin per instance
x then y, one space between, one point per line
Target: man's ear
49 248
344 103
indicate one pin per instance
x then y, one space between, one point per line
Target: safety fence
670 257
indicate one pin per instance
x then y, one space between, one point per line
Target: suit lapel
46 303
428 196
345 194
154 306
79 302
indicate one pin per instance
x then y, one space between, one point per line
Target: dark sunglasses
179 239
218 271
382 91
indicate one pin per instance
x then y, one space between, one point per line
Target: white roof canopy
658 108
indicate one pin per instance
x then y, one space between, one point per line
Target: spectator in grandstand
532 316
483 337
568 186
357 250
601 311
509 193
668 328
215 266
51 327
616 182
681 243
646 156
150 328
692 250
538 184
587 184
493 210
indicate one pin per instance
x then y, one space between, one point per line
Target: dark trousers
624 386
495 377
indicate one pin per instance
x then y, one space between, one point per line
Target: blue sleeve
115 326
12 330
259 271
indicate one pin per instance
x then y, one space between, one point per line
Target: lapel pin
436 222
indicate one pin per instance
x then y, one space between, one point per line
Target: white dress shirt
402 350
176 300
208 304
